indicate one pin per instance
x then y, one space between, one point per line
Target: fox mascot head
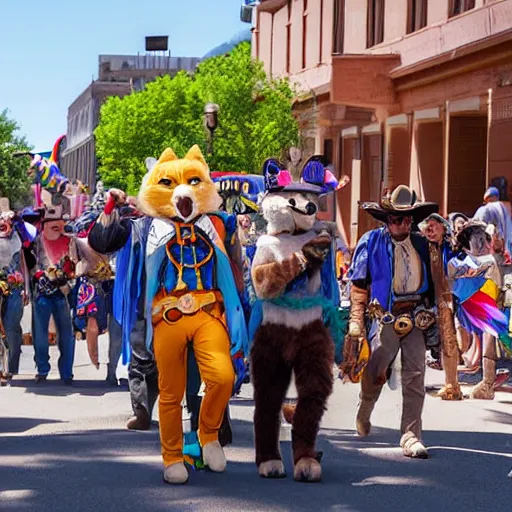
179 188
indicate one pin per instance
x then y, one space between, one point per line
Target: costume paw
483 391
413 447
272 469
176 474
213 457
307 469
450 392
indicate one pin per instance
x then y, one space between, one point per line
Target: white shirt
408 269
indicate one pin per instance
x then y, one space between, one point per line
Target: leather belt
171 307
403 322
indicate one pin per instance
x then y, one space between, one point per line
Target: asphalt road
65 449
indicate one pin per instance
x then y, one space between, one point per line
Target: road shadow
120 470
19 425
500 417
55 387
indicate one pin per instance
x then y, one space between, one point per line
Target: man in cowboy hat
391 271
50 294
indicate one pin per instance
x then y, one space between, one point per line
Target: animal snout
309 209
185 206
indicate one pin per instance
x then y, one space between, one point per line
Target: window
289 38
375 23
328 151
257 34
416 15
304 33
321 46
338 27
459 6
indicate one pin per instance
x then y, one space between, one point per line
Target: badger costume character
294 278
179 282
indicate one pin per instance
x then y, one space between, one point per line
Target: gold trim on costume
181 285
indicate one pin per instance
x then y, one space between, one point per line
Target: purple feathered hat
314 178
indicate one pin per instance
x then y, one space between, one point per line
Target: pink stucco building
398 91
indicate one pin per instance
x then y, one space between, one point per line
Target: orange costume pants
212 351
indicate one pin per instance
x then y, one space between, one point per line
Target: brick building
398 91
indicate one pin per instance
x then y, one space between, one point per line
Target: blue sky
49 48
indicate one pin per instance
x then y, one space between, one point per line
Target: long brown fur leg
314 382
271 378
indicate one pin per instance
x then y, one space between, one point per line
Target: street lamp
211 122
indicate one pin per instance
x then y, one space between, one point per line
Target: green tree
255 119
14 179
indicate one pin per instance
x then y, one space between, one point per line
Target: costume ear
275 174
313 171
167 156
195 153
150 163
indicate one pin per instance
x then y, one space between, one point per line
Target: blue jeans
58 306
11 318
115 335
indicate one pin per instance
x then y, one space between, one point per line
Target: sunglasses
398 221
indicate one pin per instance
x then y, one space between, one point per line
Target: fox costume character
294 277
179 279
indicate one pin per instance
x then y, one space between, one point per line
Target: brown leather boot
141 421
484 390
450 392
364 411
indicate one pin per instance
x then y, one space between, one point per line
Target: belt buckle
188 304
388 319
403 325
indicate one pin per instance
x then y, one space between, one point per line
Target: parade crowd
191 295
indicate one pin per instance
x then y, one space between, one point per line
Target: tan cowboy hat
52 213
402 201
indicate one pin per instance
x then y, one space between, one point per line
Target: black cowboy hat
401 202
